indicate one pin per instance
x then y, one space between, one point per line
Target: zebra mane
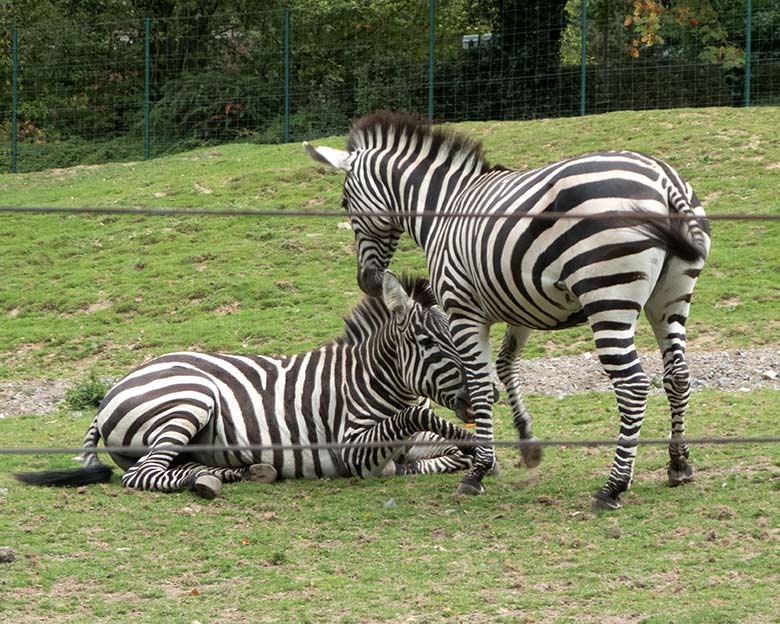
385 129
371 314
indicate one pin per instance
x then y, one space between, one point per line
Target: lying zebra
362 388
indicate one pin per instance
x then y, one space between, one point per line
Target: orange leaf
694 22
195 592
634 53
628 21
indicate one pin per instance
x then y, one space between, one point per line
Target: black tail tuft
673 239
99 473
664 233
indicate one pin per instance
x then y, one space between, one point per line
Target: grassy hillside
107 292
104 293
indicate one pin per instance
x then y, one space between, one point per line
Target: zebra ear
394 295
337 159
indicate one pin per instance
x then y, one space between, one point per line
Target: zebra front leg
473 340
430 453
432 465
370 460
507 364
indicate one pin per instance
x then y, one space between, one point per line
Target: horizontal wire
544 216
256 448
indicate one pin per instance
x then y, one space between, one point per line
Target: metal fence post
147 73
431 49
286 75
583 56
14 70
748 44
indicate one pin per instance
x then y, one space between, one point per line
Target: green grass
104 293
333 551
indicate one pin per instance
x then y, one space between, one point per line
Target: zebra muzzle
463 409
369 279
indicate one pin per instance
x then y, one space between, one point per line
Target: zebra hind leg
617 354
153 471
667 310
507 368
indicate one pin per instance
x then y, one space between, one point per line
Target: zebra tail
674 240
93 471
97 473
694 228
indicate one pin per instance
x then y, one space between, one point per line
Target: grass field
101 294
406 549
106 292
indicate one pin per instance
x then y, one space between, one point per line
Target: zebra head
427 363
376 236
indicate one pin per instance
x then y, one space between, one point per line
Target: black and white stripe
364 387
535 274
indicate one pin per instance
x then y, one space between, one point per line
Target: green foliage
217 68
212 105
87 393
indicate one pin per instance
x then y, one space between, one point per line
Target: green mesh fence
81 92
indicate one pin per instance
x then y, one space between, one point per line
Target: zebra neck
428 188
379 368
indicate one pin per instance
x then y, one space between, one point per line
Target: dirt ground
731 371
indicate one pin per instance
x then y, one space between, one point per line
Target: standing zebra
535 273
362 388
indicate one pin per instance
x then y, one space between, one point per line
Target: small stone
390 503
614 531
7 554
769 374
344 225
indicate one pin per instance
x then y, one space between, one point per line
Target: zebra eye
426 342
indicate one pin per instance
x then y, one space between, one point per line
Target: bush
213 105
86 394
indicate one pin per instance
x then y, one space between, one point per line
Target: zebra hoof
679 473
261 473
208 486
531 452
604 502
390 469
470 486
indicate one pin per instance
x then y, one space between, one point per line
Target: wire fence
339 446
638 216
86 91
343 445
